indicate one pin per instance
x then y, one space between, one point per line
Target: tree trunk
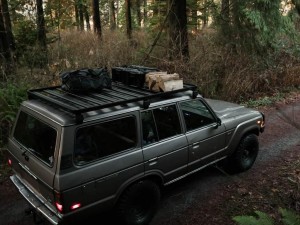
112 17
41 25
7 25
225 17
80 14
87 17
128 18
194 10
154 6
178 36
138 12
296 3
96 18
205 15
5 56
77 14
145 12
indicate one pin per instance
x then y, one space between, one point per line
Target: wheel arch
239 134
156 178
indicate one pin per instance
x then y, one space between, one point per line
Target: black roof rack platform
119 95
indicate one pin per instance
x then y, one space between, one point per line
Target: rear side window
38 137
104 139
160 123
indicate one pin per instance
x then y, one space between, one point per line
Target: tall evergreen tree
225 17
80 14
138 12
7 25
145 12
87 17
258 25
5 56
96 18
178 36
128 18
296 3
41 25
112 20
76 6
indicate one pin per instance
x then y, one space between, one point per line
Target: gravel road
281 134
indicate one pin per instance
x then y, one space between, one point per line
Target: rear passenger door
164 144
107 155
205 137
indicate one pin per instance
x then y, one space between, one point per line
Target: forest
237 50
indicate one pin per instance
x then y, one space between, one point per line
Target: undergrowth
288 218
10 98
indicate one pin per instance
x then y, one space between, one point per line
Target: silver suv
74 155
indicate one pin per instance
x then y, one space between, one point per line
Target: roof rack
120 94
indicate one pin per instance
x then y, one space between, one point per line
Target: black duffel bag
85 80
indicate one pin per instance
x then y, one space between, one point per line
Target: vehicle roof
65 117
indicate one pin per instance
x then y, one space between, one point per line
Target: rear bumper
35 202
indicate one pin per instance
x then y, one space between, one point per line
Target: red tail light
59 207
75 206
9 161
58 202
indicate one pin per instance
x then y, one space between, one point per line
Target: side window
149 128
196 114
167 121
104 139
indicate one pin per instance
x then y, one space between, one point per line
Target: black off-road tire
244 156
139 203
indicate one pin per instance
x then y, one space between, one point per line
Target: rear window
38 138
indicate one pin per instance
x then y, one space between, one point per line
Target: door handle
196 145
152 161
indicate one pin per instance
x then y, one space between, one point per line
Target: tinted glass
196 114
38 137
149 128
104 139
167 121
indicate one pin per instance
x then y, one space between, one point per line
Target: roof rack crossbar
105 96
129 94
53 101
71 98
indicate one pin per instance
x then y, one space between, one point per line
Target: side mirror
219 122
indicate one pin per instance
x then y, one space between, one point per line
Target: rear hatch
32 147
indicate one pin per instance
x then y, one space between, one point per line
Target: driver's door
205 136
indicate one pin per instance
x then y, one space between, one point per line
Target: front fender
235 135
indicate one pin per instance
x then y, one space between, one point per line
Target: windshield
38 137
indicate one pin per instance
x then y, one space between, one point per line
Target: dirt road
203 197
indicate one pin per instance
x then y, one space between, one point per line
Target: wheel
139 203
244 156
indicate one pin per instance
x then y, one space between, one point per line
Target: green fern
261 219
288 218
